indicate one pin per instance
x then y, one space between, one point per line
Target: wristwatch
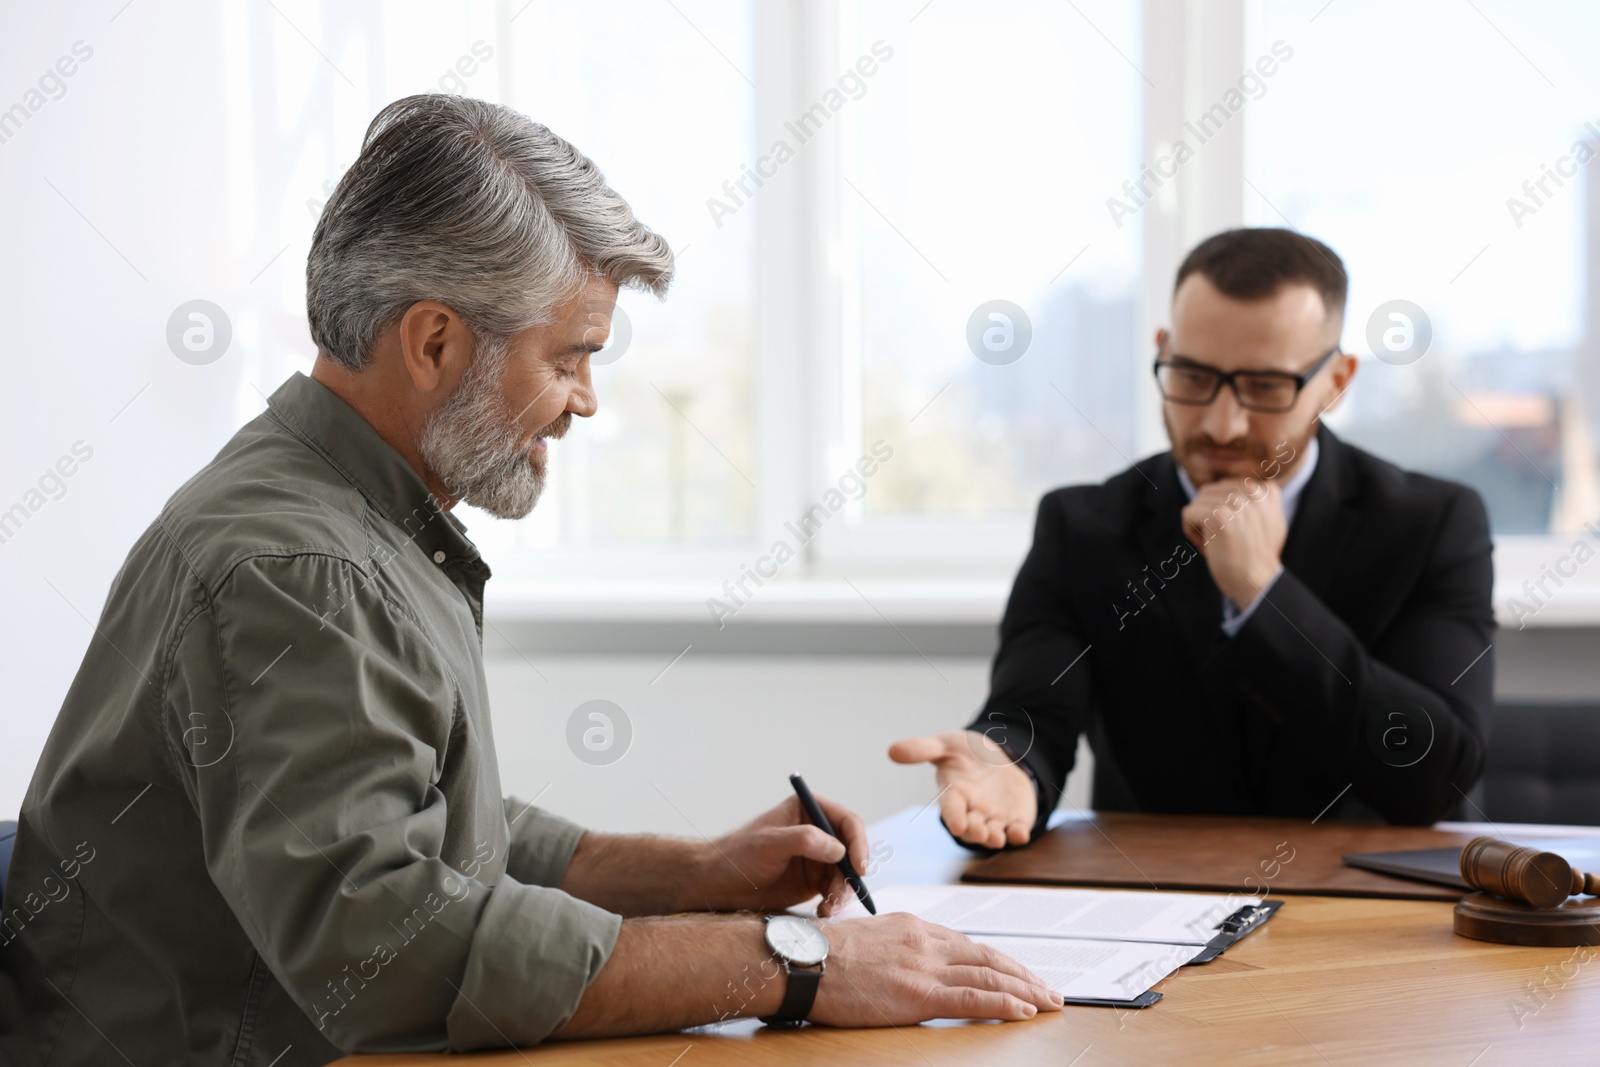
802 947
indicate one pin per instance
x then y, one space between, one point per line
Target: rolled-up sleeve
325 824
541 843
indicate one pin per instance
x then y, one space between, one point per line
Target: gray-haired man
270 808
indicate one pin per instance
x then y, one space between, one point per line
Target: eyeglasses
1187 382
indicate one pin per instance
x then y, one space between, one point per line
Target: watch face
797 940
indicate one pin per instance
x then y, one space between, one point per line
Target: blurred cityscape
1000 436
1519 425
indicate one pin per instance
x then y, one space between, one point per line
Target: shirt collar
339 434
1289 491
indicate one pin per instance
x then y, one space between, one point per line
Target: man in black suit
1263 620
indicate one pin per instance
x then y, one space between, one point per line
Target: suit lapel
1324 519
1191 598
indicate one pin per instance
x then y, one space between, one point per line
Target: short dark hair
1253 264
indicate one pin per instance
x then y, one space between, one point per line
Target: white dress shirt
1232 617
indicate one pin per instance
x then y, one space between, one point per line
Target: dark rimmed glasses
1183 381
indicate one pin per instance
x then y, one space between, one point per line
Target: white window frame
807 368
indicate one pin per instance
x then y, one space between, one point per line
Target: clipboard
1240 924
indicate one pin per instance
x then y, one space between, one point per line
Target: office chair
8 835
1544 764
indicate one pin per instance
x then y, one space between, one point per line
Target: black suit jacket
1363 678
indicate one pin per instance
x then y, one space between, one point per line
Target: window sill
976 601
781 618
821 601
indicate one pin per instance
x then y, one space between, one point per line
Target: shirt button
438 557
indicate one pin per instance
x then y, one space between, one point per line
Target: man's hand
779 859
896 970
984 797
890 970
1241 535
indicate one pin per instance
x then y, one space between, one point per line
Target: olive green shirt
267 827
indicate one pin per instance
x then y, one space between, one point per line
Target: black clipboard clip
1239 924
1143 1000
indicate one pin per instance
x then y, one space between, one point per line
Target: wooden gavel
1538 879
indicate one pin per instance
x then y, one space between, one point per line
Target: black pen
819 819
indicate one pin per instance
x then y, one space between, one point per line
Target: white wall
716 737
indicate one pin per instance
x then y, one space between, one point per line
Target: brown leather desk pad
1228 854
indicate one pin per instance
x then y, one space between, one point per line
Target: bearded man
267 827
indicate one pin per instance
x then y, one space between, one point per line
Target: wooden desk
1329 981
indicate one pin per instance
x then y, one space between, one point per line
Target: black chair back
8 835
1544 764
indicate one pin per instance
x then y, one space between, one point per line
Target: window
948 191
667 112
974 180
1456 180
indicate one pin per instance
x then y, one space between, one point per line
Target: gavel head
1538 879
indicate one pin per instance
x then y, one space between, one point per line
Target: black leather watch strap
798 997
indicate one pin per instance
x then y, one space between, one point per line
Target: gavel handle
1585 883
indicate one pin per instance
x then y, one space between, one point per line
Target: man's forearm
677 971
639 874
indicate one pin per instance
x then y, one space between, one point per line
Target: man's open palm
984 797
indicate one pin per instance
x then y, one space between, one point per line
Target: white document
1093 914
1094 970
